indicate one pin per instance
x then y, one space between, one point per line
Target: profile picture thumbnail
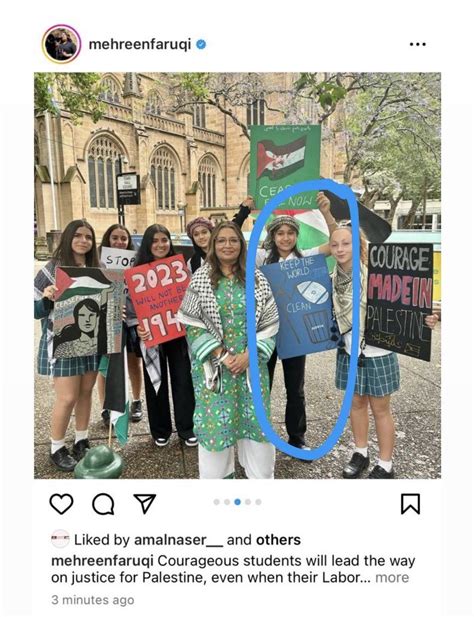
61 43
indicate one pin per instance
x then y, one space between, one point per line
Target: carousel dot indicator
248 502
237 502
258 502
216 502
226 502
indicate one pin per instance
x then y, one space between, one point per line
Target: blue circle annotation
343 192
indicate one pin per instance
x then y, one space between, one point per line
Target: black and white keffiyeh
342 299
199 308
44 278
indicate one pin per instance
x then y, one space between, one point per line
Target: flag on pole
115 370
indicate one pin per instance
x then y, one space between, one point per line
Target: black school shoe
136 412
80 448
63 460
379 473
106 417
355 466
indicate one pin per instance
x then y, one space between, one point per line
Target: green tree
392 138
77 93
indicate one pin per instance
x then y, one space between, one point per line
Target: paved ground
416 408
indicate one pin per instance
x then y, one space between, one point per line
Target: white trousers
258 460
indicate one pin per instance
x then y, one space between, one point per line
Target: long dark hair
273 255
64 256
106 237
239 268
72 332
144 255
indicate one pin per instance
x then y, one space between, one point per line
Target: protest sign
157 290
117 259
399 297
88 309
281 156
302 291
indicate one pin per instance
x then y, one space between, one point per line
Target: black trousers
175 355
295 412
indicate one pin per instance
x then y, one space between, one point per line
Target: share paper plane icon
145 501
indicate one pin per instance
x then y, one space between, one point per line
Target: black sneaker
191 442
136 412
379 473
355 466
106 417
63 460
161 442
80 448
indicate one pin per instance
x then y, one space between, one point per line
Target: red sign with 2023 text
157 290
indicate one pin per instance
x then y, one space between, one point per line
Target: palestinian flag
117 400
277 162
80 282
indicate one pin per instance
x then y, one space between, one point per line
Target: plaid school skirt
378 376
65 367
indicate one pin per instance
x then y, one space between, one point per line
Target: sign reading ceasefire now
157 290
399 297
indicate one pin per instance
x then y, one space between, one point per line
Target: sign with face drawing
87 312
302 291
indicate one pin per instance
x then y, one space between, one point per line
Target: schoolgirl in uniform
280 245
118 237
74 378
199 232
156 244
378 375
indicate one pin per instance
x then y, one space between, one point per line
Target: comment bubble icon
103 504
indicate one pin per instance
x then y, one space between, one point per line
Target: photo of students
172 355
378 375
280 245
118 237
213 311
74 377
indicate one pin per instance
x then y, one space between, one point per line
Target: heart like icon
61 503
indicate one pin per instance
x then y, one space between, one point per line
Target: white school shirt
369 350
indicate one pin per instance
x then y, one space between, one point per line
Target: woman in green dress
213 310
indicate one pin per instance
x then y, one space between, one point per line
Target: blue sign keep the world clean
302 290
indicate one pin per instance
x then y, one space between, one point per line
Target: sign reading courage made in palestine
399 297
302 291
281 156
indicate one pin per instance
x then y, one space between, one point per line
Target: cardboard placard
88 308
302 290
157 290
281 156
117 259
399 297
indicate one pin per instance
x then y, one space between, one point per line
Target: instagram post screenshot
248 230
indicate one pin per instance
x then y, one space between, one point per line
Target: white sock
57 444
81 435
363 451
387 465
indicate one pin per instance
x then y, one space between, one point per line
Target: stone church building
191 162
